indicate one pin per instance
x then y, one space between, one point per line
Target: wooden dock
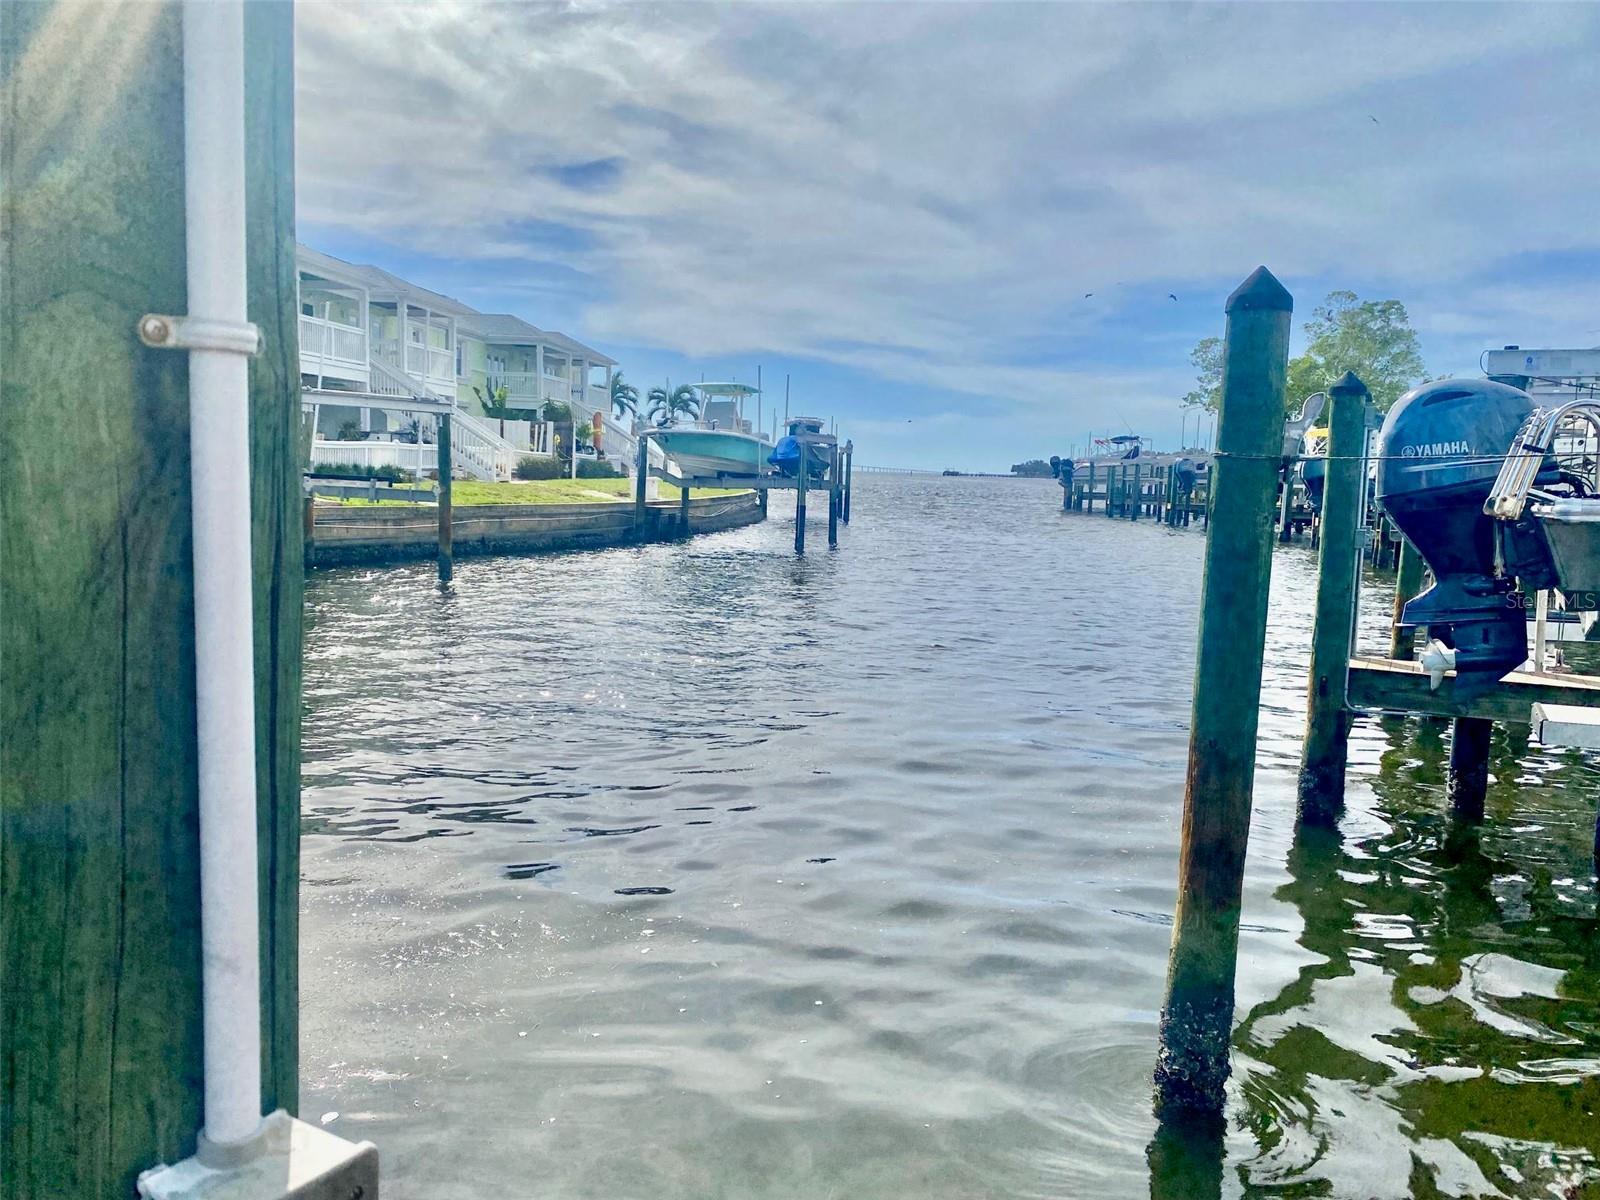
835 480
1402 686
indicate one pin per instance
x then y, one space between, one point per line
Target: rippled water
701 871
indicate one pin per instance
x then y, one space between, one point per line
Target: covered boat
805 439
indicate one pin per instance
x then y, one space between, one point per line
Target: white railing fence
420 460
528 437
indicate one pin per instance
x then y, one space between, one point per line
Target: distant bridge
931 471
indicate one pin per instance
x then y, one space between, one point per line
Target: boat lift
831 472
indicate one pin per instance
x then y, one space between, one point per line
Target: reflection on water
697 870
1443 1041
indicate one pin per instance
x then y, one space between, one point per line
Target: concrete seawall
341 534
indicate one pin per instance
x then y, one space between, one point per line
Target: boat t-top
722 441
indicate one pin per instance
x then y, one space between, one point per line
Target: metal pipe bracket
162 332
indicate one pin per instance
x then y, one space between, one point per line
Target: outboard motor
1314 466
1314 473
1439 453
1184 475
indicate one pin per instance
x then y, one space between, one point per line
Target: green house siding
473 357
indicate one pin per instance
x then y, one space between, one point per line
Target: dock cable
1375 458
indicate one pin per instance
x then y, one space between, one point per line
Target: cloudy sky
904 207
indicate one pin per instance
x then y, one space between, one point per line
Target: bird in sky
1087 295
1374 119
1171 297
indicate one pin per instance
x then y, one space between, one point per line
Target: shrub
588 468
533 467
556 411
388 472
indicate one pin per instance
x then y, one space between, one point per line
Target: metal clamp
162 332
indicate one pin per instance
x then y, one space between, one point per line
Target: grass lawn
550 491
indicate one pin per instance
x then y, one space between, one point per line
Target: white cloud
922 191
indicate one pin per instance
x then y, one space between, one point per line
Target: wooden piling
1326 747
800 499
683 509
100 957
849 477
835 499
1197 1016
641 482
446 528
1284 499
1467 777
1136 495
1089 495
1407 583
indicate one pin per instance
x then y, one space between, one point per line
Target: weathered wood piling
1326 746
849 481
1197 1016
446 537
100 1029
1467 771
1408 582
835 497
800 505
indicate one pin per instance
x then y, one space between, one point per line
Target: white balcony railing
431 362
329 348
519 385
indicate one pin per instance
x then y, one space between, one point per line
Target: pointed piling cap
1349 385
1261 291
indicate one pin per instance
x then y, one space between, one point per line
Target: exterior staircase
476 449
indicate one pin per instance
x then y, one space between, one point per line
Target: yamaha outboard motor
1184 474
1439 453
1314 473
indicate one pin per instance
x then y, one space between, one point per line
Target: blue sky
906 207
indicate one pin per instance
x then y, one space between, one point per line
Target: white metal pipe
219 452
1541 615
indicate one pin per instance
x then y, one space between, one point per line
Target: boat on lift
804 439
722 442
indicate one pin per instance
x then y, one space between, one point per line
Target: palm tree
624 396
666 408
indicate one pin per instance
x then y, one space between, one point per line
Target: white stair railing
388 380
480 449
475 447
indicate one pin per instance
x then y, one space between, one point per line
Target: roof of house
490 327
